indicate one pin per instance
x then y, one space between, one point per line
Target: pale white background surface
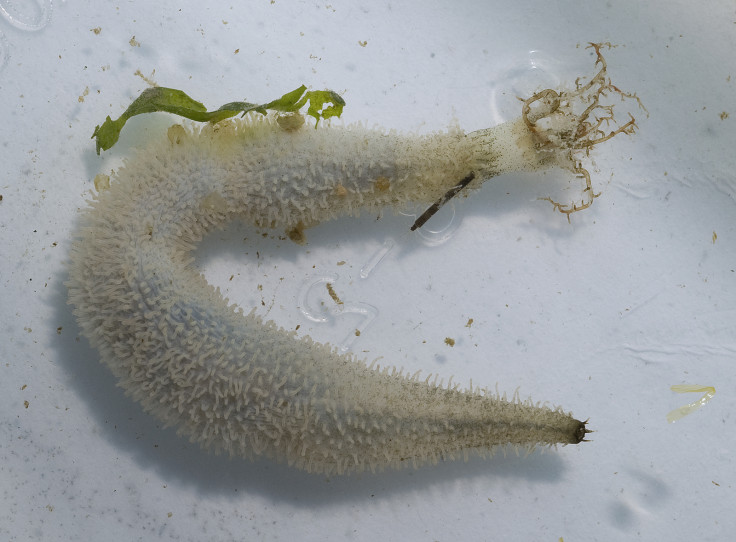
601 315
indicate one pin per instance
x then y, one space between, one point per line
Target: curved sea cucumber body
233 382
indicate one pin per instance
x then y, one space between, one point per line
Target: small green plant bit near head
171 100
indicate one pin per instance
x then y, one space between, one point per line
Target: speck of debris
333 295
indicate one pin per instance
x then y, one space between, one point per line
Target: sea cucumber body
232 382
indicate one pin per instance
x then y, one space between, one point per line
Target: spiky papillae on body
237 384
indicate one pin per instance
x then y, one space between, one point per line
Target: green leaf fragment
318 99
323 104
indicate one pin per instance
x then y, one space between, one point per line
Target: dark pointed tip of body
580 431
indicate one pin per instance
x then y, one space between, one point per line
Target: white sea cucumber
237 384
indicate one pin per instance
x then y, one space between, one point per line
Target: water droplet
522 79
34 16
374 260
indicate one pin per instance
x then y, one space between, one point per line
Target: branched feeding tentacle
588 193
551 116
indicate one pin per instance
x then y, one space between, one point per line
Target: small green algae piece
323 104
